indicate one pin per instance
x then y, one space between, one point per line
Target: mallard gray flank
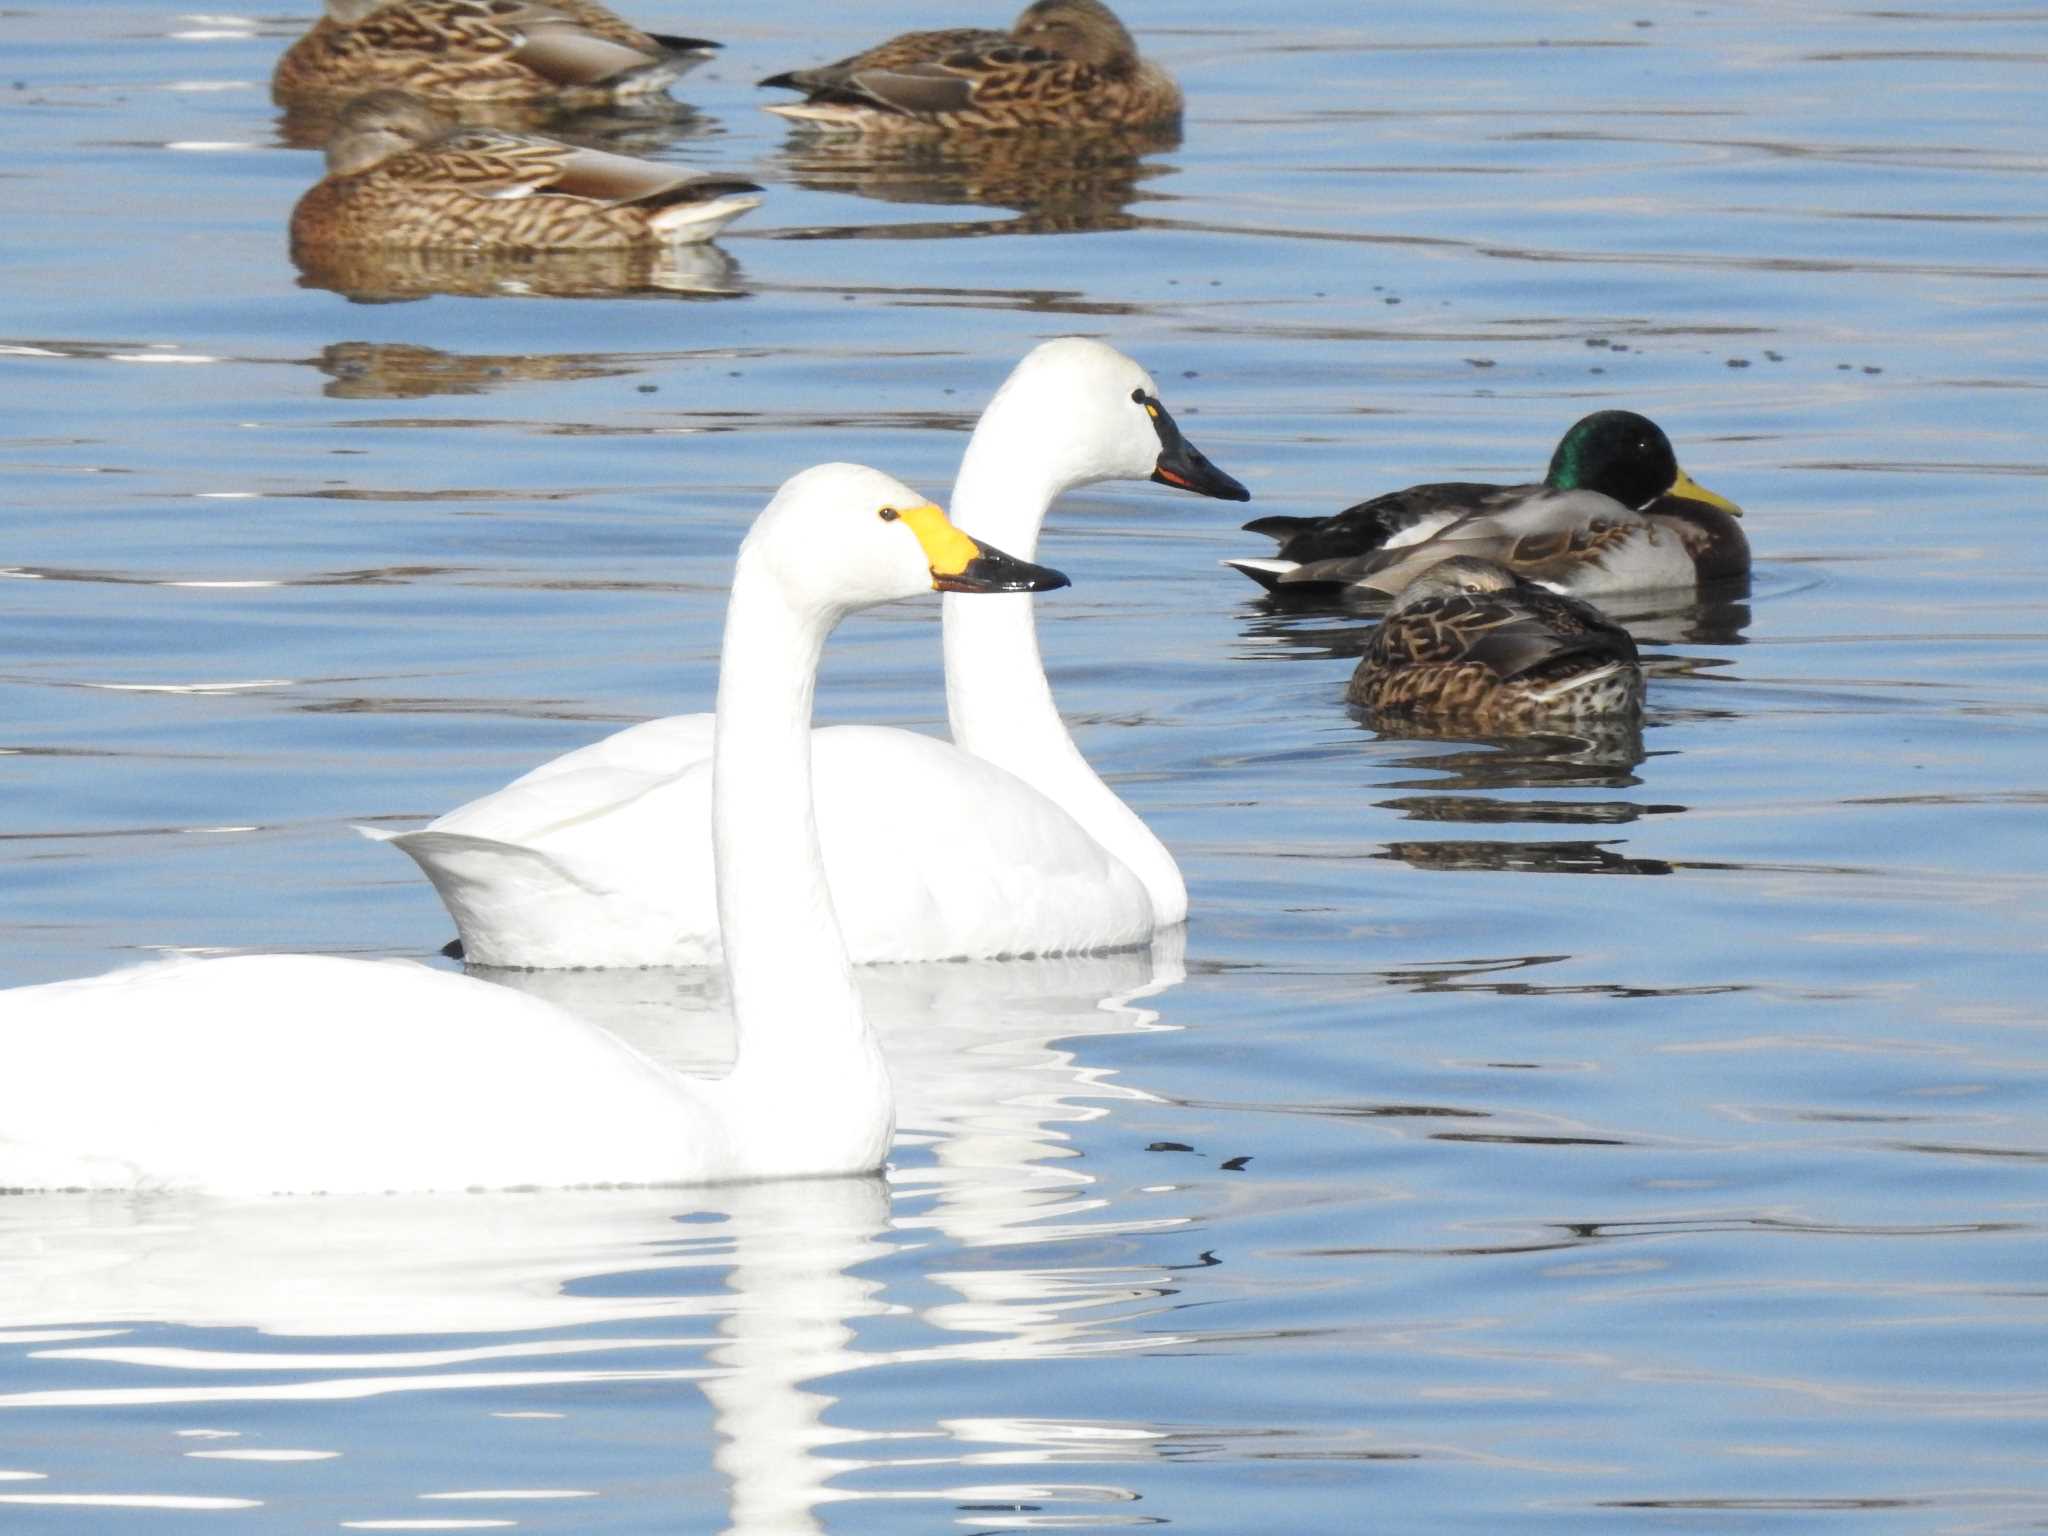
1471 641
481 50
402 175
1614 513
1063 64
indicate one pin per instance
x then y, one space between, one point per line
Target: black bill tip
993 571
1184 466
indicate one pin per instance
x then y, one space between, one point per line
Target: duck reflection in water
1553 858
380 275
397 370
644 125
1465 782
1057 183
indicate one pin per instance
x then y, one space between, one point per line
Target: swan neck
1000 708
1009 478
998 701
792 986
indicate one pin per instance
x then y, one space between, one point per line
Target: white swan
602 856
278 1073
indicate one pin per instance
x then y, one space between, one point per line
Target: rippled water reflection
1428 1186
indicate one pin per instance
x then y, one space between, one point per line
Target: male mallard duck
1615 513
1064 64
481 50
1470 640
400 174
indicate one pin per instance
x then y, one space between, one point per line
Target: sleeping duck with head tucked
1064 64
1614 513
401 174
1471 642
562 52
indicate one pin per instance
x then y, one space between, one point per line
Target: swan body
602 857
557 887
1614 513
303 1073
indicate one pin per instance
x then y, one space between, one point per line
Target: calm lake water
1434 1185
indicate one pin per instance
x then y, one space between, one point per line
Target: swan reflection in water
378 275
989 1063
1064 183
985 1081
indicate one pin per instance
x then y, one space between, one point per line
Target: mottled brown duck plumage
1065 64
1614 513
401 174
1056 182
1471 641
480 50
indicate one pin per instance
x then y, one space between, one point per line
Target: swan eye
1139 397
888 514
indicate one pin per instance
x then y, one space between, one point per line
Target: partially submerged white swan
301 1073
1002 842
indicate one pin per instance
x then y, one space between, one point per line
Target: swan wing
593 865
603 857
667 745
974 862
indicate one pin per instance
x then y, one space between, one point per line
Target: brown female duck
1064 64
400 174
568 51
1471 641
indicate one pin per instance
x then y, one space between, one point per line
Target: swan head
842 536
1085 412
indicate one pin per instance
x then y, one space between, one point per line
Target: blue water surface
1430 1184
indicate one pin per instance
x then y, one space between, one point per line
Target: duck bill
1183 465
988 569
1688 489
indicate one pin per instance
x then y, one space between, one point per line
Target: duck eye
888 514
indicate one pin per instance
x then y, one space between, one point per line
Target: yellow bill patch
1692 490
948 550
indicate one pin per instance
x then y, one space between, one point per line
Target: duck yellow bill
963 564
1692 490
